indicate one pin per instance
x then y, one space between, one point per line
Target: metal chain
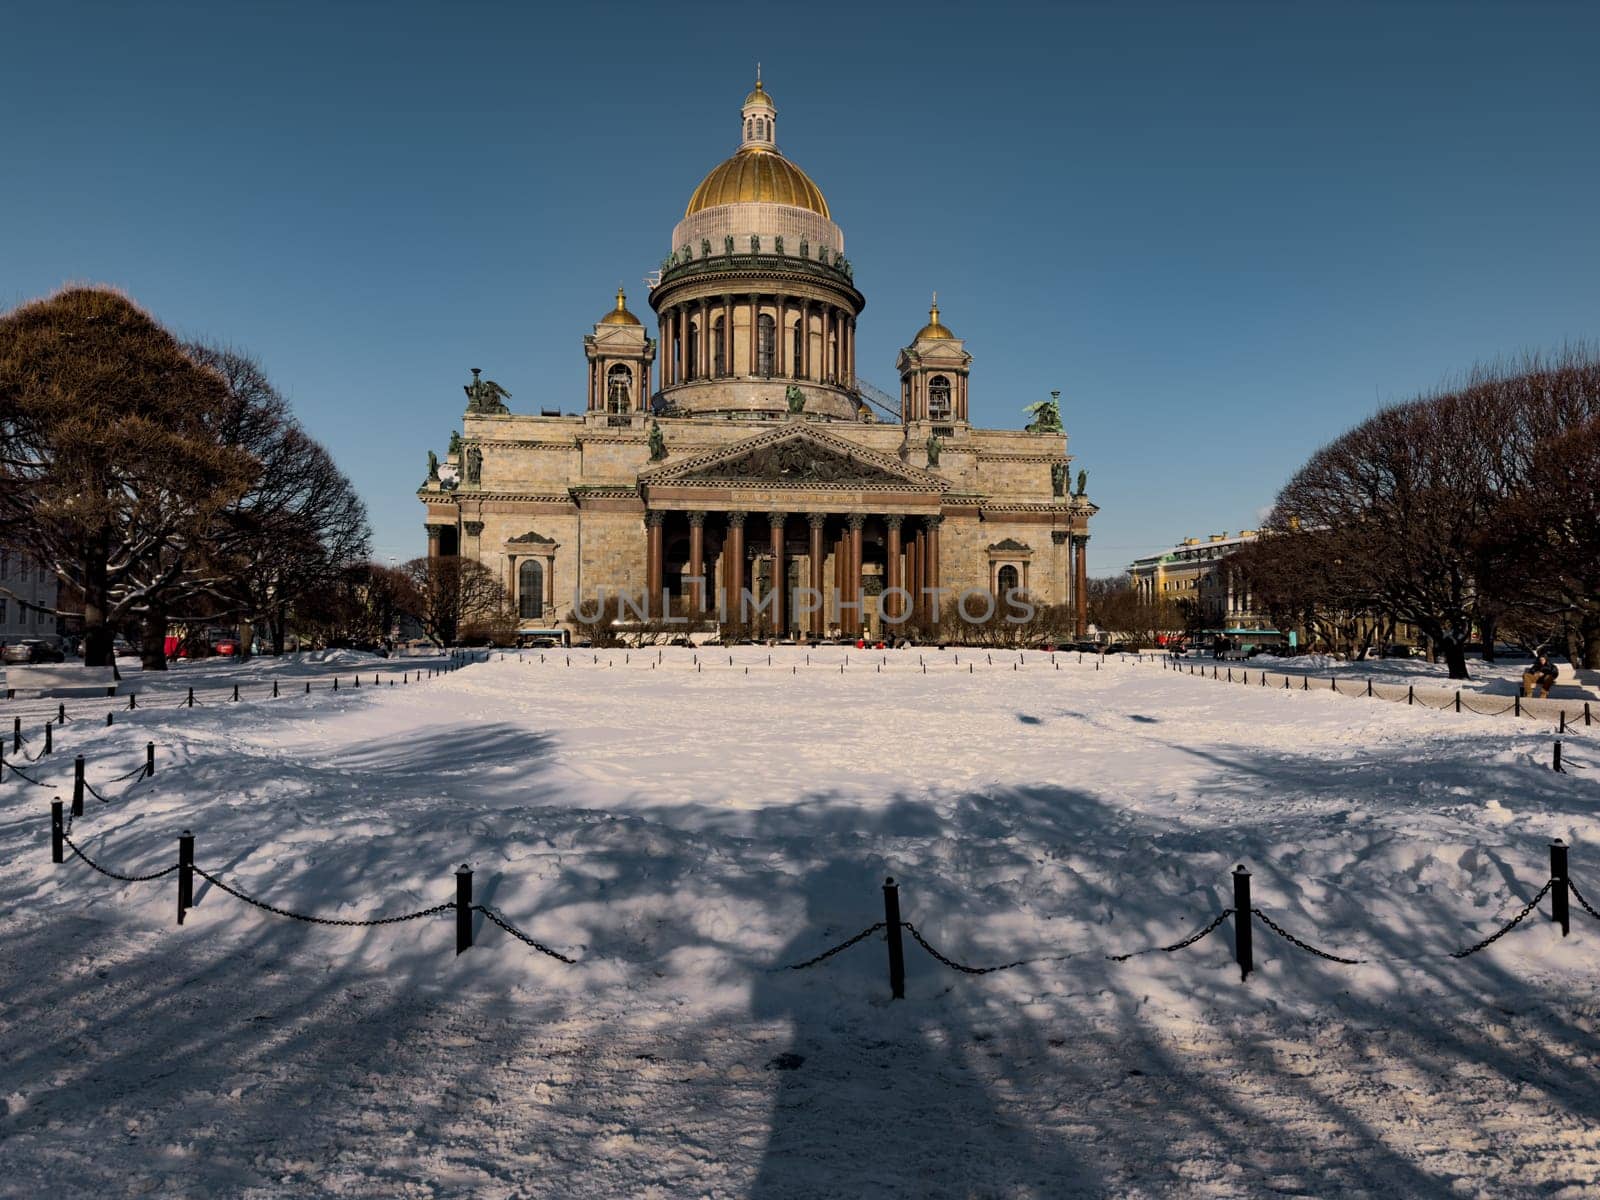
1508 926
845 945
16 770
283 912
518 934
964 969
113 874
1306 946
139 770
1188 941
1587 907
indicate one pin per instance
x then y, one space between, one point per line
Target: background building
738 448
27 596
1195 577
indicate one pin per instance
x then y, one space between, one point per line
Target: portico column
1059 565
778 573
734 572
914 573
896 609
697 562
653 562
841 547
433 540
855 521
1080 547
819 618
933 567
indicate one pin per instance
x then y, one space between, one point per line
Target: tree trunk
153 641
97 650
276 621
1455 657
1589 643
247 634
1490 627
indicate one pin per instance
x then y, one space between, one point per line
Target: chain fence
840 948
1508 926
113 874
519 935
1183 945
1306 946
313 920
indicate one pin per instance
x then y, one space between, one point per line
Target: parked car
48 649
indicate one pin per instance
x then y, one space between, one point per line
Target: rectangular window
2 610
5 562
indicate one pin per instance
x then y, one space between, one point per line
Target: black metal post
108 719
1411 693
16 735
358 679
1458 699
336 683
49 738
1556 759
190 703
1562 727
185 873
1516 706
149 759
61 714
274 689
308 687
1369 689
897 953
236 691
1243 950
133 701
57 831
463 908
1558 893
77 786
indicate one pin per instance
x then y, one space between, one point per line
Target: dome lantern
620 314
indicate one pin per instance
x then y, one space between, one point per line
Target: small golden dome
760 175
934 330
620 314
759 96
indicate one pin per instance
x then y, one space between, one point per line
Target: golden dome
934 330
758 175
620 314
759 96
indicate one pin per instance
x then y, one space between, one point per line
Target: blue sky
1225 232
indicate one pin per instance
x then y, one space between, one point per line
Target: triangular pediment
797 458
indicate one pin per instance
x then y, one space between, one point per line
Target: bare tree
451 592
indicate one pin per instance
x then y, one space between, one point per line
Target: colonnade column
704 351
779 582
697 562
733 573
654 563
665 350
805 339
897 608
819 619
1080 547
755 331
782 305
855 522
433 540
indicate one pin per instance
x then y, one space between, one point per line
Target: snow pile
681 826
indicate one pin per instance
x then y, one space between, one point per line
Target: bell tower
933 374
620 357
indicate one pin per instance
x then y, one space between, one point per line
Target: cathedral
734 468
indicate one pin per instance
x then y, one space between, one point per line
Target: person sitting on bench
1540 676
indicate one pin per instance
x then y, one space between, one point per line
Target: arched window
797 359
766 343
747 127
938 398
1008 580
530 589
619 387
691 356
719 348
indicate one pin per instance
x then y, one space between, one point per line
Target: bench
59 679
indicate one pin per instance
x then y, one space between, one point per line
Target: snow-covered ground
681 831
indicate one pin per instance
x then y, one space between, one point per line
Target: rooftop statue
934 446
796 398
455 442
1046 415
1083 482
485 395
433 465
658 442
1058 478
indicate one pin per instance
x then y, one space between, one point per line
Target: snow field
682 832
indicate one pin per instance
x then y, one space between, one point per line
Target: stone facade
759 454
